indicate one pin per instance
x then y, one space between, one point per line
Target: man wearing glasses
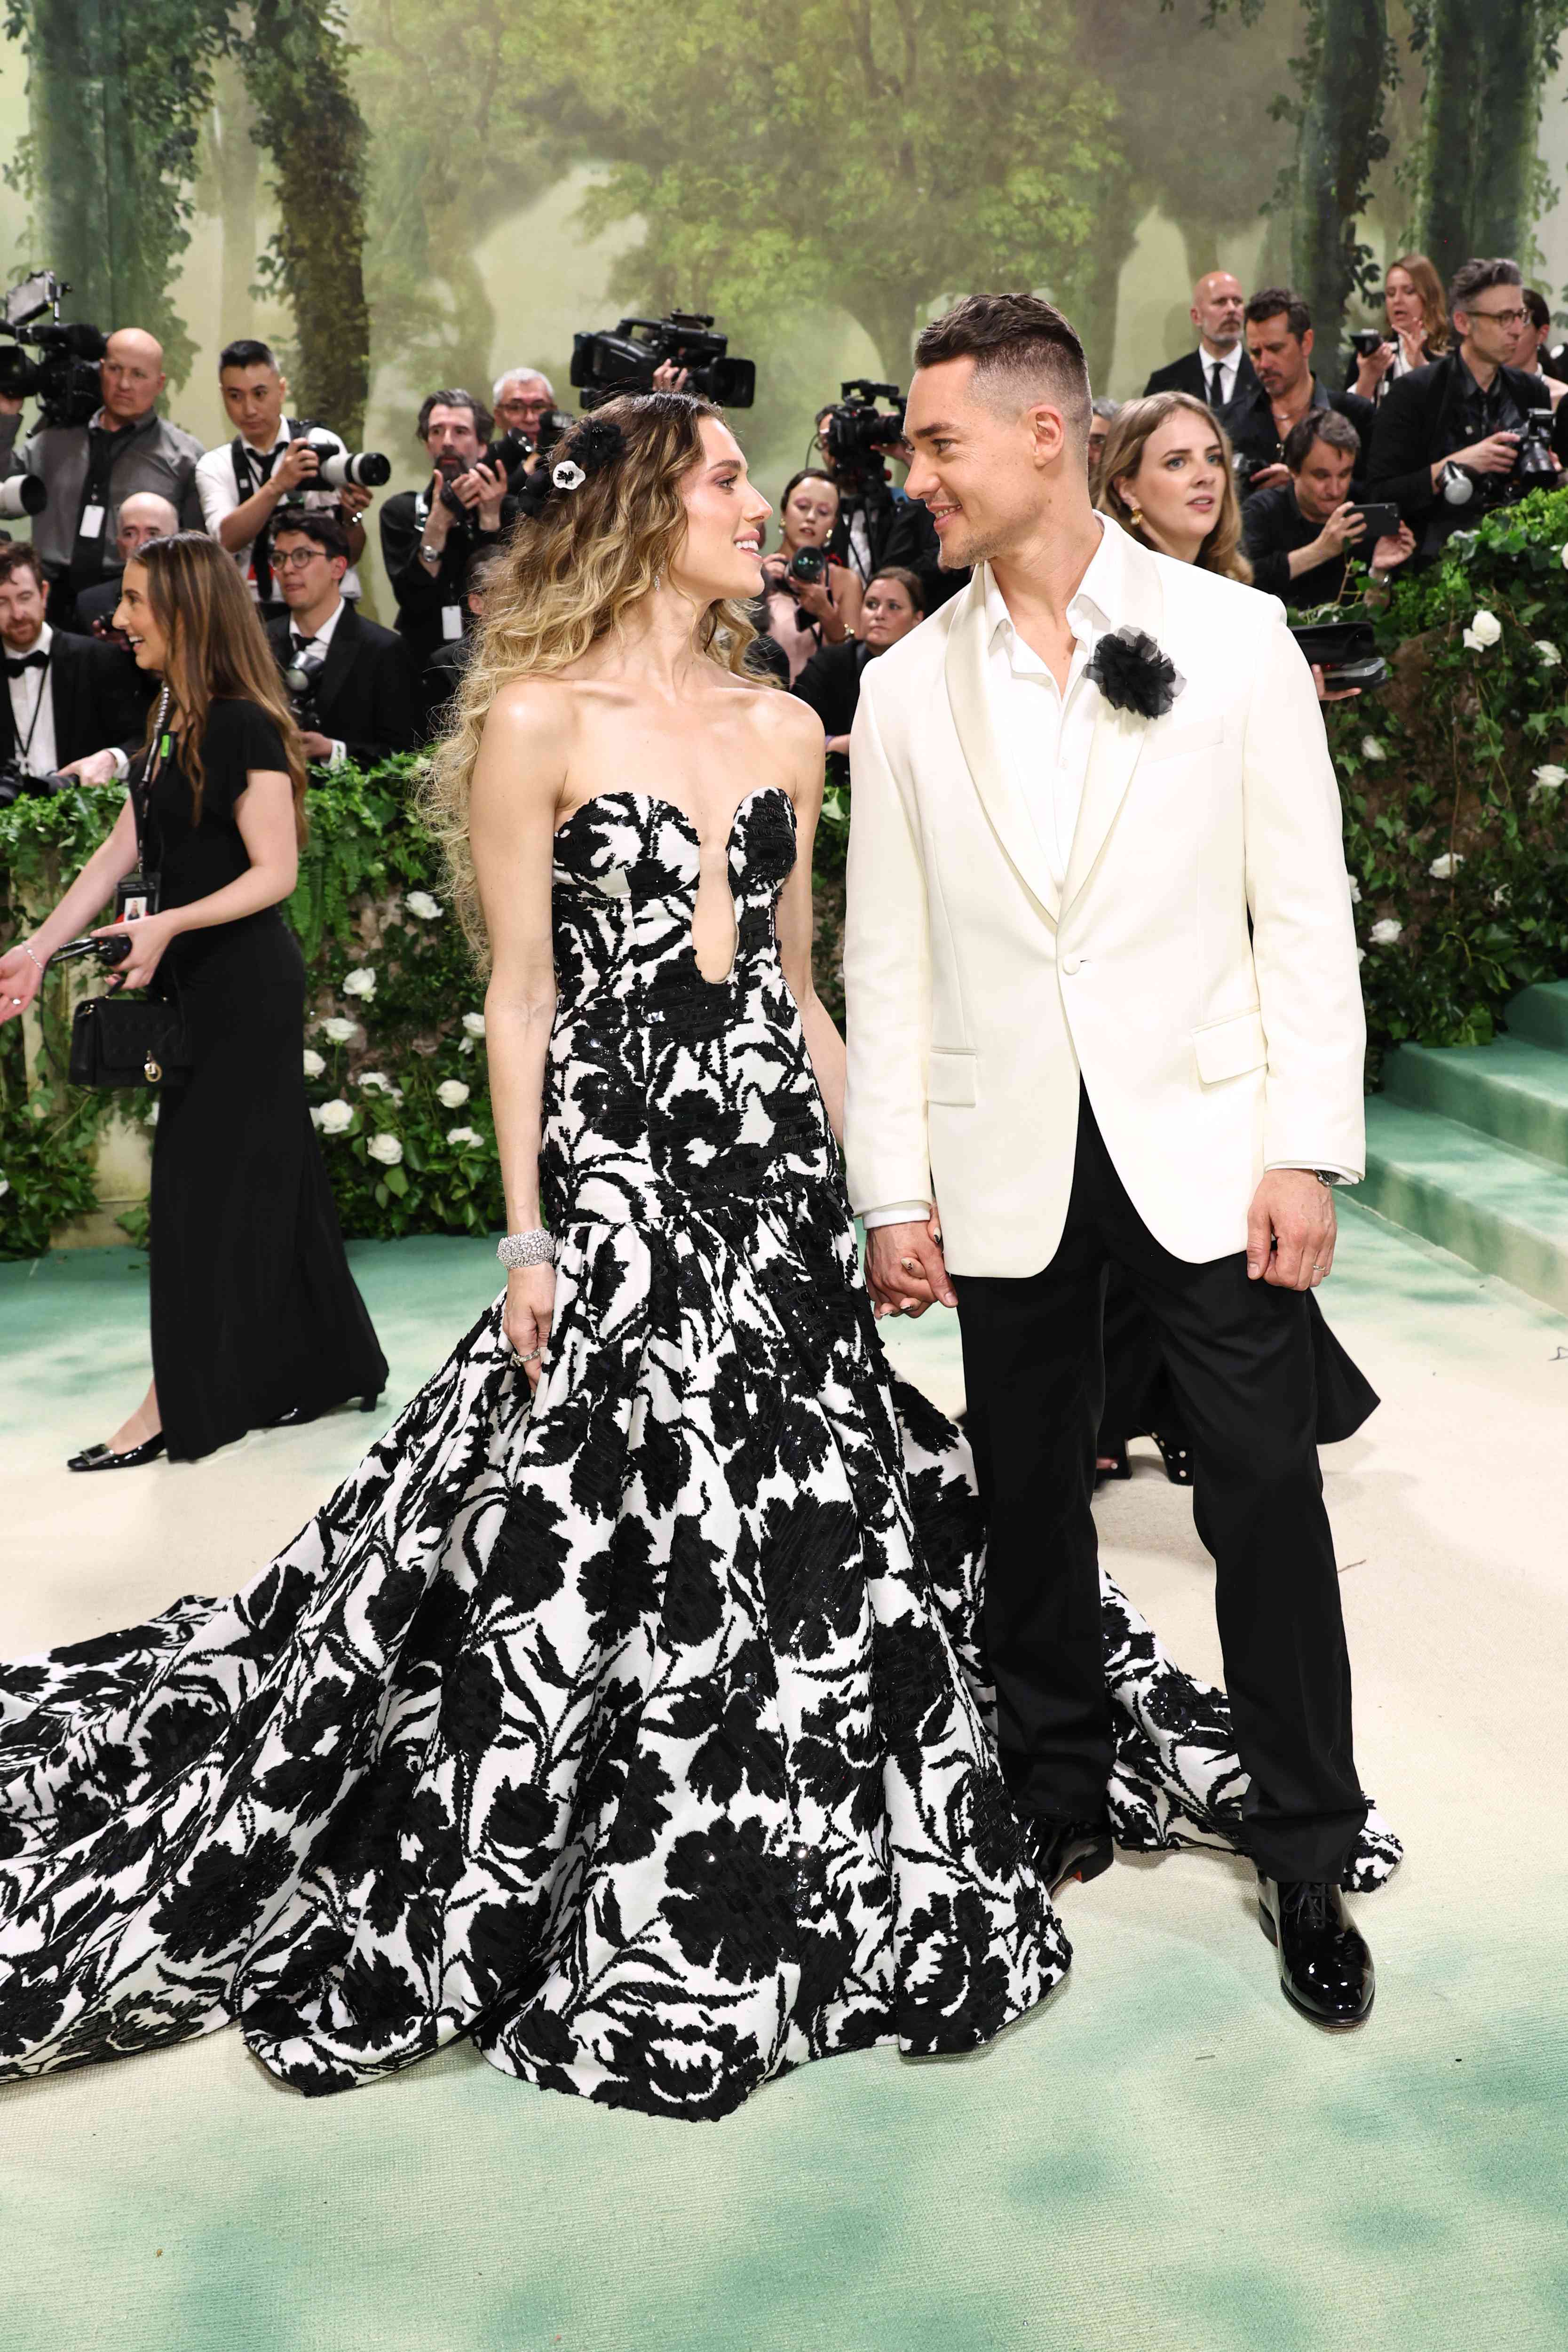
1446 440
349 678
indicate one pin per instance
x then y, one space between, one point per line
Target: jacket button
1069 964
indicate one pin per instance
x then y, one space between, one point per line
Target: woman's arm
802 749
517 781
264 815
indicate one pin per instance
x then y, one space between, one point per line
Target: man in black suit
69 702
1219 370
142 515
1446 445
428 535
354 701
1278 328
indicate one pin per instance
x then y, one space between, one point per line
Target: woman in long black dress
256 1316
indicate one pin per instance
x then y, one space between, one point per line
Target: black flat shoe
299 1414
1120 1468
1071 1850
1178 1459
104 1457
1325 1968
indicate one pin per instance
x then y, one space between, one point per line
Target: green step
1541 1015
1512 1090
1503 1210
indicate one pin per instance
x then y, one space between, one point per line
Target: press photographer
142 517
68 698
1279 330
810 597
1467 432
530 423
1301 534
89 469
275 466
831 682
348 678
1417 320
429 535
878 524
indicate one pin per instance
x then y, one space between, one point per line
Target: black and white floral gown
638 1733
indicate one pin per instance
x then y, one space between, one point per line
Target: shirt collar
273 446
1095 603
323 635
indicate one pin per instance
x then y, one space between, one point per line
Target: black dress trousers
1240 1357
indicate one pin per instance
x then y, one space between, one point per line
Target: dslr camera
623 360
1532 469
336 467
16 783
64 378
514 448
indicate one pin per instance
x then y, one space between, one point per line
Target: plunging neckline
659 800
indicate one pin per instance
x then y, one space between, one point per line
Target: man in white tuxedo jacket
1104 1008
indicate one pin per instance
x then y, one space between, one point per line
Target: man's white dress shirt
219 489
1229 365
33 708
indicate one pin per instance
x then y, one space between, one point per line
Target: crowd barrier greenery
1453 779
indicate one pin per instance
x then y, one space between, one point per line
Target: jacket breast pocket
950 1079
1179 742
1228 1049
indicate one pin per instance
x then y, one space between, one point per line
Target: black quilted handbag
127 1041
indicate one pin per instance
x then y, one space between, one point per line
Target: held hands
1292 1212
526 1318
148 936
904 1268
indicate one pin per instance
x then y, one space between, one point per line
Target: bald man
1219 370
90 470
142 515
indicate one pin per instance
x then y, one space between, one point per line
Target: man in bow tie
353 699
1105 1010
70 702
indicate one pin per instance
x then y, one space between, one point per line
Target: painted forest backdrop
407 192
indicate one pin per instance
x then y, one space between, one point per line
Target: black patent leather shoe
1071 1850
299 1414
104 1457
1325 1967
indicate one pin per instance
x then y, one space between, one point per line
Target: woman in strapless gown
633 1725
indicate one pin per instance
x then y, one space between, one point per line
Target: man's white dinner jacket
1211 1047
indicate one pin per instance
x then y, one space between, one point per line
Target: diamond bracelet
534 1248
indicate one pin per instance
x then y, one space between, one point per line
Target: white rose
6 1180
314 1064
386 1149
1546 653
361 982
450 1094
421 903
1444 868
1371 748
475 1023
461 1135
1354 890
466 1046
1361 955
1550 780
1502 896
374 1082
335 1116
1386 931
1485 630
336 1030
1563 556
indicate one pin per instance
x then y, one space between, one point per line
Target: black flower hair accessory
590 446
1132 674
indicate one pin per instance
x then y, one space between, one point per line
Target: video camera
1532 469
856 433
16 783
64 378
623 361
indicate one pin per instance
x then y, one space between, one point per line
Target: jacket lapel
990 771
1118 734
340 656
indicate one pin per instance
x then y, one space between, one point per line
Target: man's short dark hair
1319 425
20 555
1020 345
249 353
483 423
324 528
1473 278
1274 301
1539 308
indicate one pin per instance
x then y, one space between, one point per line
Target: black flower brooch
590 446
1132 674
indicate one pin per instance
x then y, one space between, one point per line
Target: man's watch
428 554
1329 1176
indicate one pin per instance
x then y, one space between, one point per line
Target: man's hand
1344 528
1294 1213
1266 478
318 746
1495 455
9 407
1371 367
353 498
440 518
92 768
492 489
1394 547
904 1268
1339 693
670 376
299 463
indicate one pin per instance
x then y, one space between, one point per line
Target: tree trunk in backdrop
236 172
1338 143
1454 74
1503 218
84 159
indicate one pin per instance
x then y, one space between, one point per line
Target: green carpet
1163 2160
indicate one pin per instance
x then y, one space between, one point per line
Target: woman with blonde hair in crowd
1418 315
255 1319
624 1711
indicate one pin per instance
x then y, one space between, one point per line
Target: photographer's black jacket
1417 422
364 697
100 700
421 595
1249 421
1272 526
1191 373
831 683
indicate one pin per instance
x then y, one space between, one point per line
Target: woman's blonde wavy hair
1134 424
568 578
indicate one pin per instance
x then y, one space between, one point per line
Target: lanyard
152 768
33 723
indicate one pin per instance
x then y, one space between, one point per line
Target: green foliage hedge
1454 781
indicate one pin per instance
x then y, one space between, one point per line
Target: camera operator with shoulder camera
429 535
71 705
89 466
1300 535
811 598
1467 432
1278 328
347 678
278 466
878 524
831 682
